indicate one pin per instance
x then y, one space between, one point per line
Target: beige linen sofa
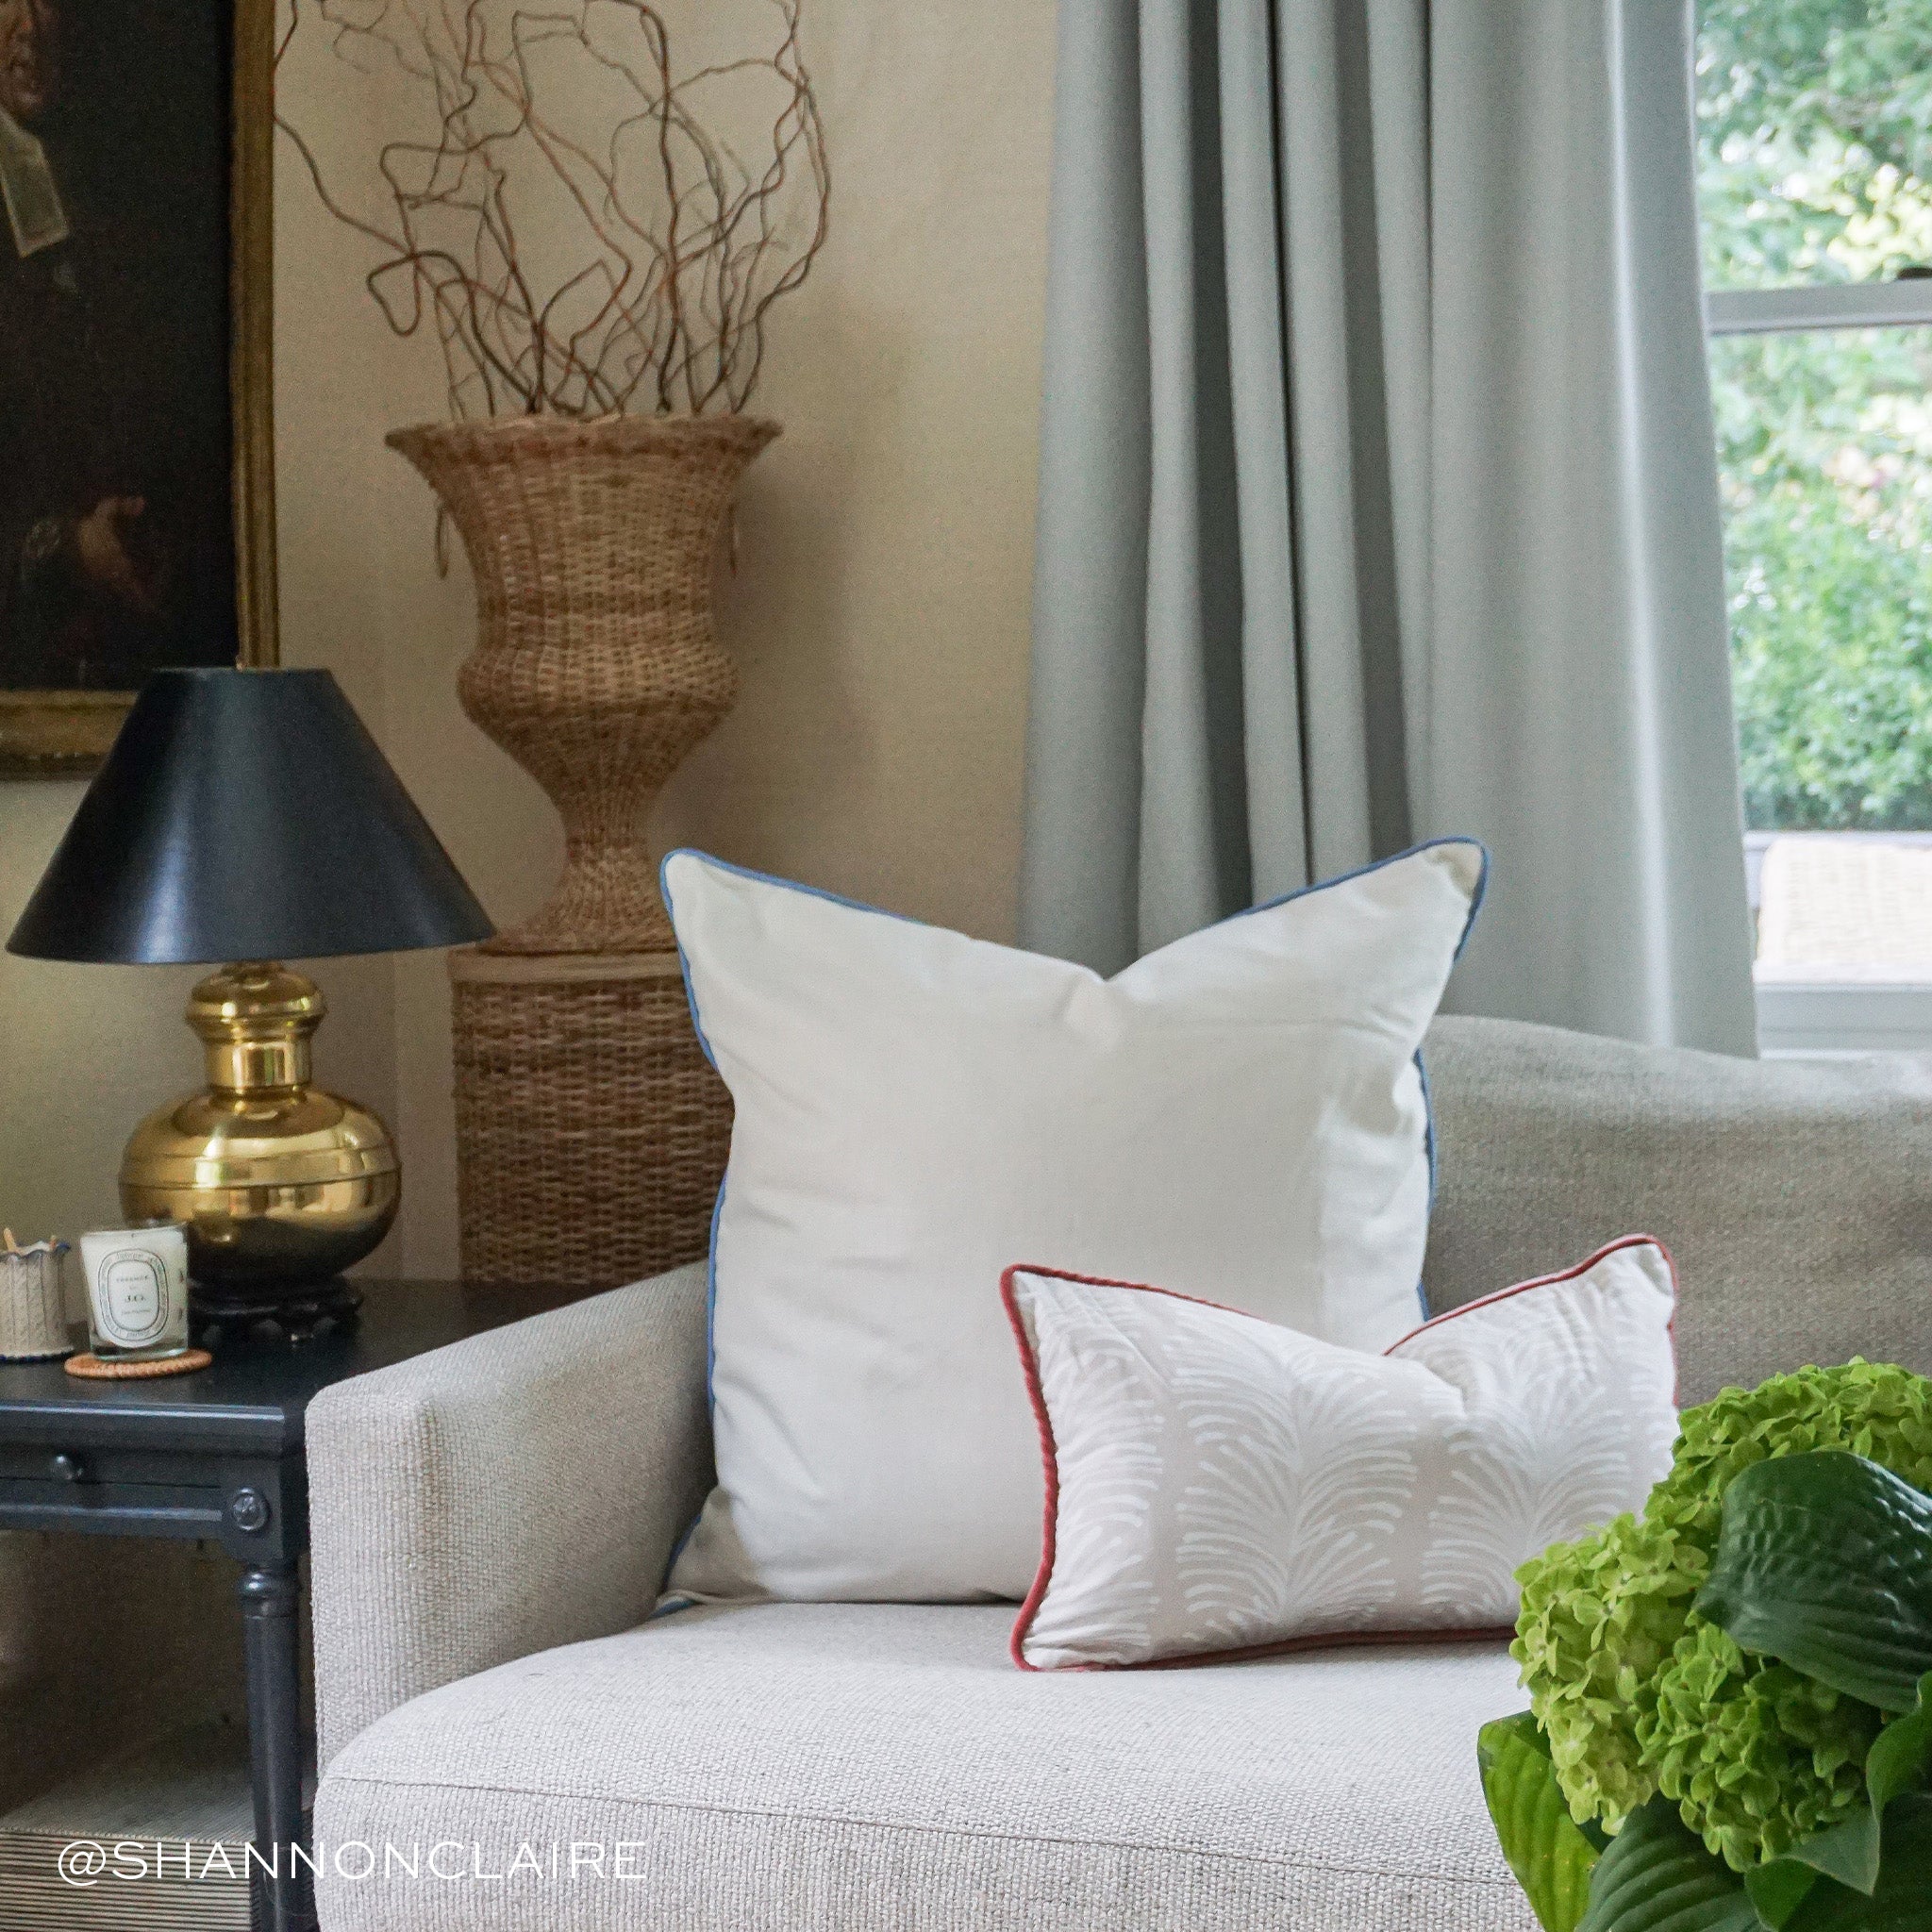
506 1744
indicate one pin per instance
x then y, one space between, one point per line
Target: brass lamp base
280 1185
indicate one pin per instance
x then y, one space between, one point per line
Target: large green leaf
1902 1901
1825 1561
1546 1850
1902 1753
1778 1889
1657 1877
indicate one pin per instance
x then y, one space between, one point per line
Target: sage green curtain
1378 497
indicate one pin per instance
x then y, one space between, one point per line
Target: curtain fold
1379 494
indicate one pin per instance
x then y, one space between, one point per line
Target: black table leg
279 1895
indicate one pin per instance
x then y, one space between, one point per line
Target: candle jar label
134 1298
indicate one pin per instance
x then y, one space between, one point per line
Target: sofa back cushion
1794 1196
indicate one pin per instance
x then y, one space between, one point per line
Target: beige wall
84 1050
879 609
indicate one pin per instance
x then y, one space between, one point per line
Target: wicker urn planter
592 1132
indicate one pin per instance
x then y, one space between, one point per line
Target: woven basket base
91 1367
592 1132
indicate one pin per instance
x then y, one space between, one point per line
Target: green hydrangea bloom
1605 1619
1757 1754
1874 1411
1600 1617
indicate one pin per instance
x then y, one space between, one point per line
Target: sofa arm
513 1491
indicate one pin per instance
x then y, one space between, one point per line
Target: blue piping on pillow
690 1529
1476 906
745 872
711 1287
1422 1074
691 1000
1342 878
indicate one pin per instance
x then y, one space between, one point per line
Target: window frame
1821 1018
1905 303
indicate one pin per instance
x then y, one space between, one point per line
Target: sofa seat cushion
756 1767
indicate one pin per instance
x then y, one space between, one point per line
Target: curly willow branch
678 247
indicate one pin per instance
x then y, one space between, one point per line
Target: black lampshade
245 815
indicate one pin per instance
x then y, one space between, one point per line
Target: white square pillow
1241 1111
1218 1486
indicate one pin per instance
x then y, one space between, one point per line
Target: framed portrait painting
137 494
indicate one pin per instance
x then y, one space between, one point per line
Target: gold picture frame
64 733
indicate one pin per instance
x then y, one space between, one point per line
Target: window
1815 182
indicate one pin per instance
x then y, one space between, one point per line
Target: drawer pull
248 1510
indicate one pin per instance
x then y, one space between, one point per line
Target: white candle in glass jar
137 1289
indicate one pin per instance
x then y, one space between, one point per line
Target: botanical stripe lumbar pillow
1240 1112
1218 1484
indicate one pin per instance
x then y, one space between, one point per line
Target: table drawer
81 1468
257 1510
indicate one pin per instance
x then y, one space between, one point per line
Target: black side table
218 1456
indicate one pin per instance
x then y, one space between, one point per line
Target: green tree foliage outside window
1815 165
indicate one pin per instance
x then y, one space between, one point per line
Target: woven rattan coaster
91 1367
